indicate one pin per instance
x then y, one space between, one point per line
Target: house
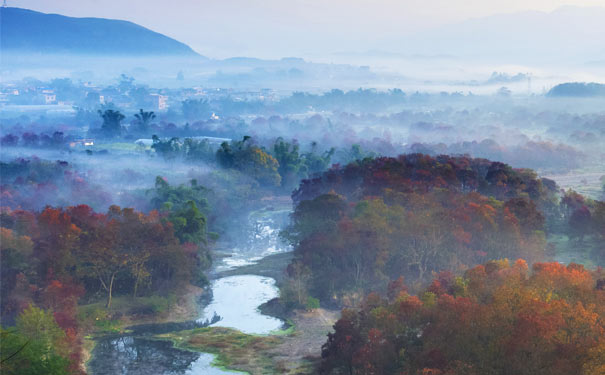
50 98
82 142
160 102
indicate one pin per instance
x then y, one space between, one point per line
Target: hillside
27 31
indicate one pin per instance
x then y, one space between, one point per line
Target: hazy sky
278 28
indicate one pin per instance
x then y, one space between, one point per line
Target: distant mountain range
27 31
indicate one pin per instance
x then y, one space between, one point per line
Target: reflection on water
139 356
236 300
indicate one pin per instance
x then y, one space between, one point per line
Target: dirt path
297 353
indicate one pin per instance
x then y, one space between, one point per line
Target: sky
280 28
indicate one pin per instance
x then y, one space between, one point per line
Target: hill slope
26 31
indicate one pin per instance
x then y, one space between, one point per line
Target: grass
234 350
123 309
290 331
292 351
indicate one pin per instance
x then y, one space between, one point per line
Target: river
234 298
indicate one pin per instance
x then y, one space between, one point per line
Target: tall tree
144 120
112 122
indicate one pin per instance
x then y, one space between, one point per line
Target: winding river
234 298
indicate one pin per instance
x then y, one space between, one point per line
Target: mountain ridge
28 31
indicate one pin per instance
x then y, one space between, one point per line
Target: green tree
315 162
291 166
168 149
198 150
36 346
251 160
189 224
177 197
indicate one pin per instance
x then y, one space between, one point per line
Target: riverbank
272 266
127 311
296 350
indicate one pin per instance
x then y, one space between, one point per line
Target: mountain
27 31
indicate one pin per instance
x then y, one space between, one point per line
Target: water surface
130 355
236 300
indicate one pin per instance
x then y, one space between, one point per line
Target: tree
199 150
56 244
123 242
296 285
291 166
317 163
169 149
144 120
9 140
112 119
249 159
189 224
36 346
17 262
195 110
175 198
496 319
580 223
100 255
412 216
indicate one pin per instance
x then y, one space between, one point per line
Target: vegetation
496 319
250 159
410 245
144 120
34 183
37 345
112 126
283 165
355 228
578 89
54 258
234 350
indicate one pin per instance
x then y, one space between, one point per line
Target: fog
223 29
391 159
